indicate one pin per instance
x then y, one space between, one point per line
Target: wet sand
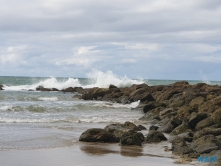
91 154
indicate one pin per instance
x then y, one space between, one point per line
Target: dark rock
166 111
197 101
166 95
119 129
97 135
141 127
195 118
154 128
130 125
206 144
216 116
41 88
181 84
179 146
141 94
87 96
207 131
155 136
138 86
152 105
1 87
69 89
181 129
204 123
112 87
132 138
166 128
183 113
54 89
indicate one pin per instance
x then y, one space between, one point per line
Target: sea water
30 119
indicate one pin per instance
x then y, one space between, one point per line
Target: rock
206 144
183 113
211 105
181 129
155 136
166 94
130 125
141 127
112 87
138 86
87 96
179 146
152 105
154 128
195 118
119 129
1 87
54 89
141 94
197 101
204 123
132 138
216 116
69 89
97 135
166 111
41 88
207 131
166 128
181 84
100 92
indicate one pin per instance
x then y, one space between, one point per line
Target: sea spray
95 79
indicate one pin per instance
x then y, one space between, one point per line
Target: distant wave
95 79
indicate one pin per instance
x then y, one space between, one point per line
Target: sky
149 39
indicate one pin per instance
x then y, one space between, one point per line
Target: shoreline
90 154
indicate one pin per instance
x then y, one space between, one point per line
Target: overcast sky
154 39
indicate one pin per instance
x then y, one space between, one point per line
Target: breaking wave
95 79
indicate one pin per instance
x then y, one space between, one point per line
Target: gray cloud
155 38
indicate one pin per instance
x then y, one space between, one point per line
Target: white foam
103 80
6 107
48 98
97 79
117 105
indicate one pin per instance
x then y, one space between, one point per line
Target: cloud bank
154 39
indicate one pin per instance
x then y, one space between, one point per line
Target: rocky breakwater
191 114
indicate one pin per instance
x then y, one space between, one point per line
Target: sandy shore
92 154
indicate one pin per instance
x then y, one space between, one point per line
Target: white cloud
13 55
84 50
129 61
84 56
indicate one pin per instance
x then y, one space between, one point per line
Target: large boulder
181 129
204 123
97 135
141 94
152 105
179 146
155 136
41 88
206 144
207 131
119 129
195 118
197 101
1 87
216 116
132 138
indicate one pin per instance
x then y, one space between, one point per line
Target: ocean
31 119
